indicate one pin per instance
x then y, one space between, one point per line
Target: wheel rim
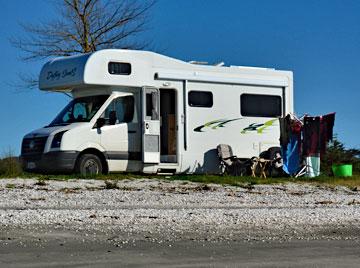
91 167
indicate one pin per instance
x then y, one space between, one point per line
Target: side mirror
100 122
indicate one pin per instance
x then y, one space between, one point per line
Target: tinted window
260 105
200 99
152 105
149 106
119 68
120 110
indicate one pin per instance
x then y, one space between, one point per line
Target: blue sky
318 40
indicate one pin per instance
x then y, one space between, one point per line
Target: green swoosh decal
208 124
214 124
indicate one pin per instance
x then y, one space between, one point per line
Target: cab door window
120 110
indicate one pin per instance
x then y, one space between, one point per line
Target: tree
336 153
85 26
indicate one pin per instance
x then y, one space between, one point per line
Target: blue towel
291 155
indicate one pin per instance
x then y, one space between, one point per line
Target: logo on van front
32 145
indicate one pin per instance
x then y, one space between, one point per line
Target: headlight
56 142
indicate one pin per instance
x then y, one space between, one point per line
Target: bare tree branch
85 26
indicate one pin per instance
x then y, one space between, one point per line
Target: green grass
350 182
44 177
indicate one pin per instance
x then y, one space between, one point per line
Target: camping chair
276 162
230 164
270 162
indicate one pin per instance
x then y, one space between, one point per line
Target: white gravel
162 209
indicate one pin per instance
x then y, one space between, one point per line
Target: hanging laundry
311 138
305 142
312 166
291 151
318 131
291 156
285 129
326 130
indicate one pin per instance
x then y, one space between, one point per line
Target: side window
260 105
119 68
200 99
120 110
152 105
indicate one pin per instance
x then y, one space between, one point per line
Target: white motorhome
139 111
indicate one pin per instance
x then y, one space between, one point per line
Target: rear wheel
89 164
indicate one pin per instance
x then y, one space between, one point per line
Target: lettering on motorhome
56 75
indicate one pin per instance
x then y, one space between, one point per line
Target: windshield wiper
58 124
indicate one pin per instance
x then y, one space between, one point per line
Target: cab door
118 116
150 125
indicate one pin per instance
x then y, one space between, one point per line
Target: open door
151 125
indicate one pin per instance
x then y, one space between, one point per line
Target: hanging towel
312 166
326 130
285 130
311 141
291 154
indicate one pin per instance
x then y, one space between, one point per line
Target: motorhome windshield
79 110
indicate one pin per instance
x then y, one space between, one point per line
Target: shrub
336 153
111 185
10 165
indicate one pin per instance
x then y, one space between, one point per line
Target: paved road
69 250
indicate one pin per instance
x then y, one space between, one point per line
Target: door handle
146 125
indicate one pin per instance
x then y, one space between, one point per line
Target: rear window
200 99
260 105
119 68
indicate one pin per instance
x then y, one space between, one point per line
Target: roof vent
198 62
250 67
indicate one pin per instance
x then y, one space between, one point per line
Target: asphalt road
62 249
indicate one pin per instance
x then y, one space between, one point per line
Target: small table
260 163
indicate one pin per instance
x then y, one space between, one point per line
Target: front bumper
57 162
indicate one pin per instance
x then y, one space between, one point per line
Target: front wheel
89 164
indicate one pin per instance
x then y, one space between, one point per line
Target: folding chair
230 164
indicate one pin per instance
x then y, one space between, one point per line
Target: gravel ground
163 211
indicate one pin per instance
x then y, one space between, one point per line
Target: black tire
89 164
274 152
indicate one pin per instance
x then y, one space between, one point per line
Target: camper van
139 111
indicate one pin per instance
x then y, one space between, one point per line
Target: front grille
33 145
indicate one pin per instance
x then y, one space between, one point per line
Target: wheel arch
98 153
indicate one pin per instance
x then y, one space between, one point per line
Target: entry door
151 125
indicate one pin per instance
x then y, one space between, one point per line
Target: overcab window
119 68
260 105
